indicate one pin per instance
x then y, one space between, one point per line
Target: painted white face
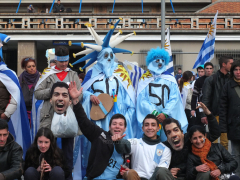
106 61
158 66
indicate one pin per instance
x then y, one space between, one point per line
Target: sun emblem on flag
123 74
159 152
45 71
146 75
166 45
211 30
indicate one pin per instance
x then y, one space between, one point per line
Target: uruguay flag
168 48
206 52
135 73
19 123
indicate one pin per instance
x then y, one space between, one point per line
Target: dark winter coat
11 159
229 114
49 159
217 154
212 90
27 94
102 146
57 8
4 97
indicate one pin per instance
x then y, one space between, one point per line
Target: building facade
33 33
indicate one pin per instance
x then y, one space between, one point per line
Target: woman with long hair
45 159
186 93
208 161
28 79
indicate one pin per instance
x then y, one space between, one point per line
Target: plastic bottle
125 165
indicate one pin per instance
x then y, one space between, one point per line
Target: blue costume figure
103 77
159 91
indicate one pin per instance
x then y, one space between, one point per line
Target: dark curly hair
53 156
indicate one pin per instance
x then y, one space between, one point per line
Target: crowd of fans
208 99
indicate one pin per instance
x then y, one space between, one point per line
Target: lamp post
162 23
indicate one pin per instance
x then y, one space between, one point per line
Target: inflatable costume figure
159 91
103 77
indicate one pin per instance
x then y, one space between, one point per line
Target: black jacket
101 143
27 94
212 89
57 8
48 157
11 160
179 158
229 114
217 154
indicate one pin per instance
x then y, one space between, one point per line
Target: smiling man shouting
180 144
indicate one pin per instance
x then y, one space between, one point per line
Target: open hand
118 137
174 172
73 91
203 168
204 107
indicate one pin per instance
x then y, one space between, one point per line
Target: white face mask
64 126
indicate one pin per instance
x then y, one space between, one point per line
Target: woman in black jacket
207 161
28 79
44 157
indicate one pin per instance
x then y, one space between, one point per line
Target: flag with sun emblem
124 78
206 52
168 48
134 72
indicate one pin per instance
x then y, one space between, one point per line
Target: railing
101 21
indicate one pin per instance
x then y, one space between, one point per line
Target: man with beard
10 154
180 144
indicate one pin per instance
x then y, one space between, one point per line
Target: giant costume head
105 62
157 60
103 51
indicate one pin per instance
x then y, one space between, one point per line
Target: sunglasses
26 59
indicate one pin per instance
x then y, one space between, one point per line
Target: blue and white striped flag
206 52
19 124
134 72
168 48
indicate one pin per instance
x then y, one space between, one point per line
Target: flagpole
162 23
